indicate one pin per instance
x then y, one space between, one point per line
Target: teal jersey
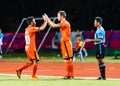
100 33
1 35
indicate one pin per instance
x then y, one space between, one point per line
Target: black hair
78 35
30 19
99 19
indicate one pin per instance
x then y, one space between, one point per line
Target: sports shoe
34 78
0 56
71 77
18 73
66 77
101 78
86 55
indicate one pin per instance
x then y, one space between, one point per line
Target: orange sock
71 69
25 66
67 65
34 70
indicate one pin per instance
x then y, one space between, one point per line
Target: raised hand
44 18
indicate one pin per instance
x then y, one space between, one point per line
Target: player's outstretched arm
50 23
42 27
93 40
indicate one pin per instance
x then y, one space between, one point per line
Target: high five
66 46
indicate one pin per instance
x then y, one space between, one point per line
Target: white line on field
59 77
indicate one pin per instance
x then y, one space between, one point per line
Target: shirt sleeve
1 35
35 29
63 25
100 34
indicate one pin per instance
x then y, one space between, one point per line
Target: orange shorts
32 55
66 49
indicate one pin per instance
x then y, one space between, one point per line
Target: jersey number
27 39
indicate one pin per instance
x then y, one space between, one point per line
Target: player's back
30 33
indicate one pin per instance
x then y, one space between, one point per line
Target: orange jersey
30 33
65 30
66 45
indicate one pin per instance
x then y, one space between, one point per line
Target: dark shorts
99 48
76 51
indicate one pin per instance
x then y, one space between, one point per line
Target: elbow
53 26
40 29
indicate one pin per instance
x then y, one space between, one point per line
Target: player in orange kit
30 47
66 45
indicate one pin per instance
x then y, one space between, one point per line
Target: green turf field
52 57
43 81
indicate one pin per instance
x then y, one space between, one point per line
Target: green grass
26 81
52 57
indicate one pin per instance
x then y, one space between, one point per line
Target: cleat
66 77
86 55
104 78
18 73
71 77
34 78
101 78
